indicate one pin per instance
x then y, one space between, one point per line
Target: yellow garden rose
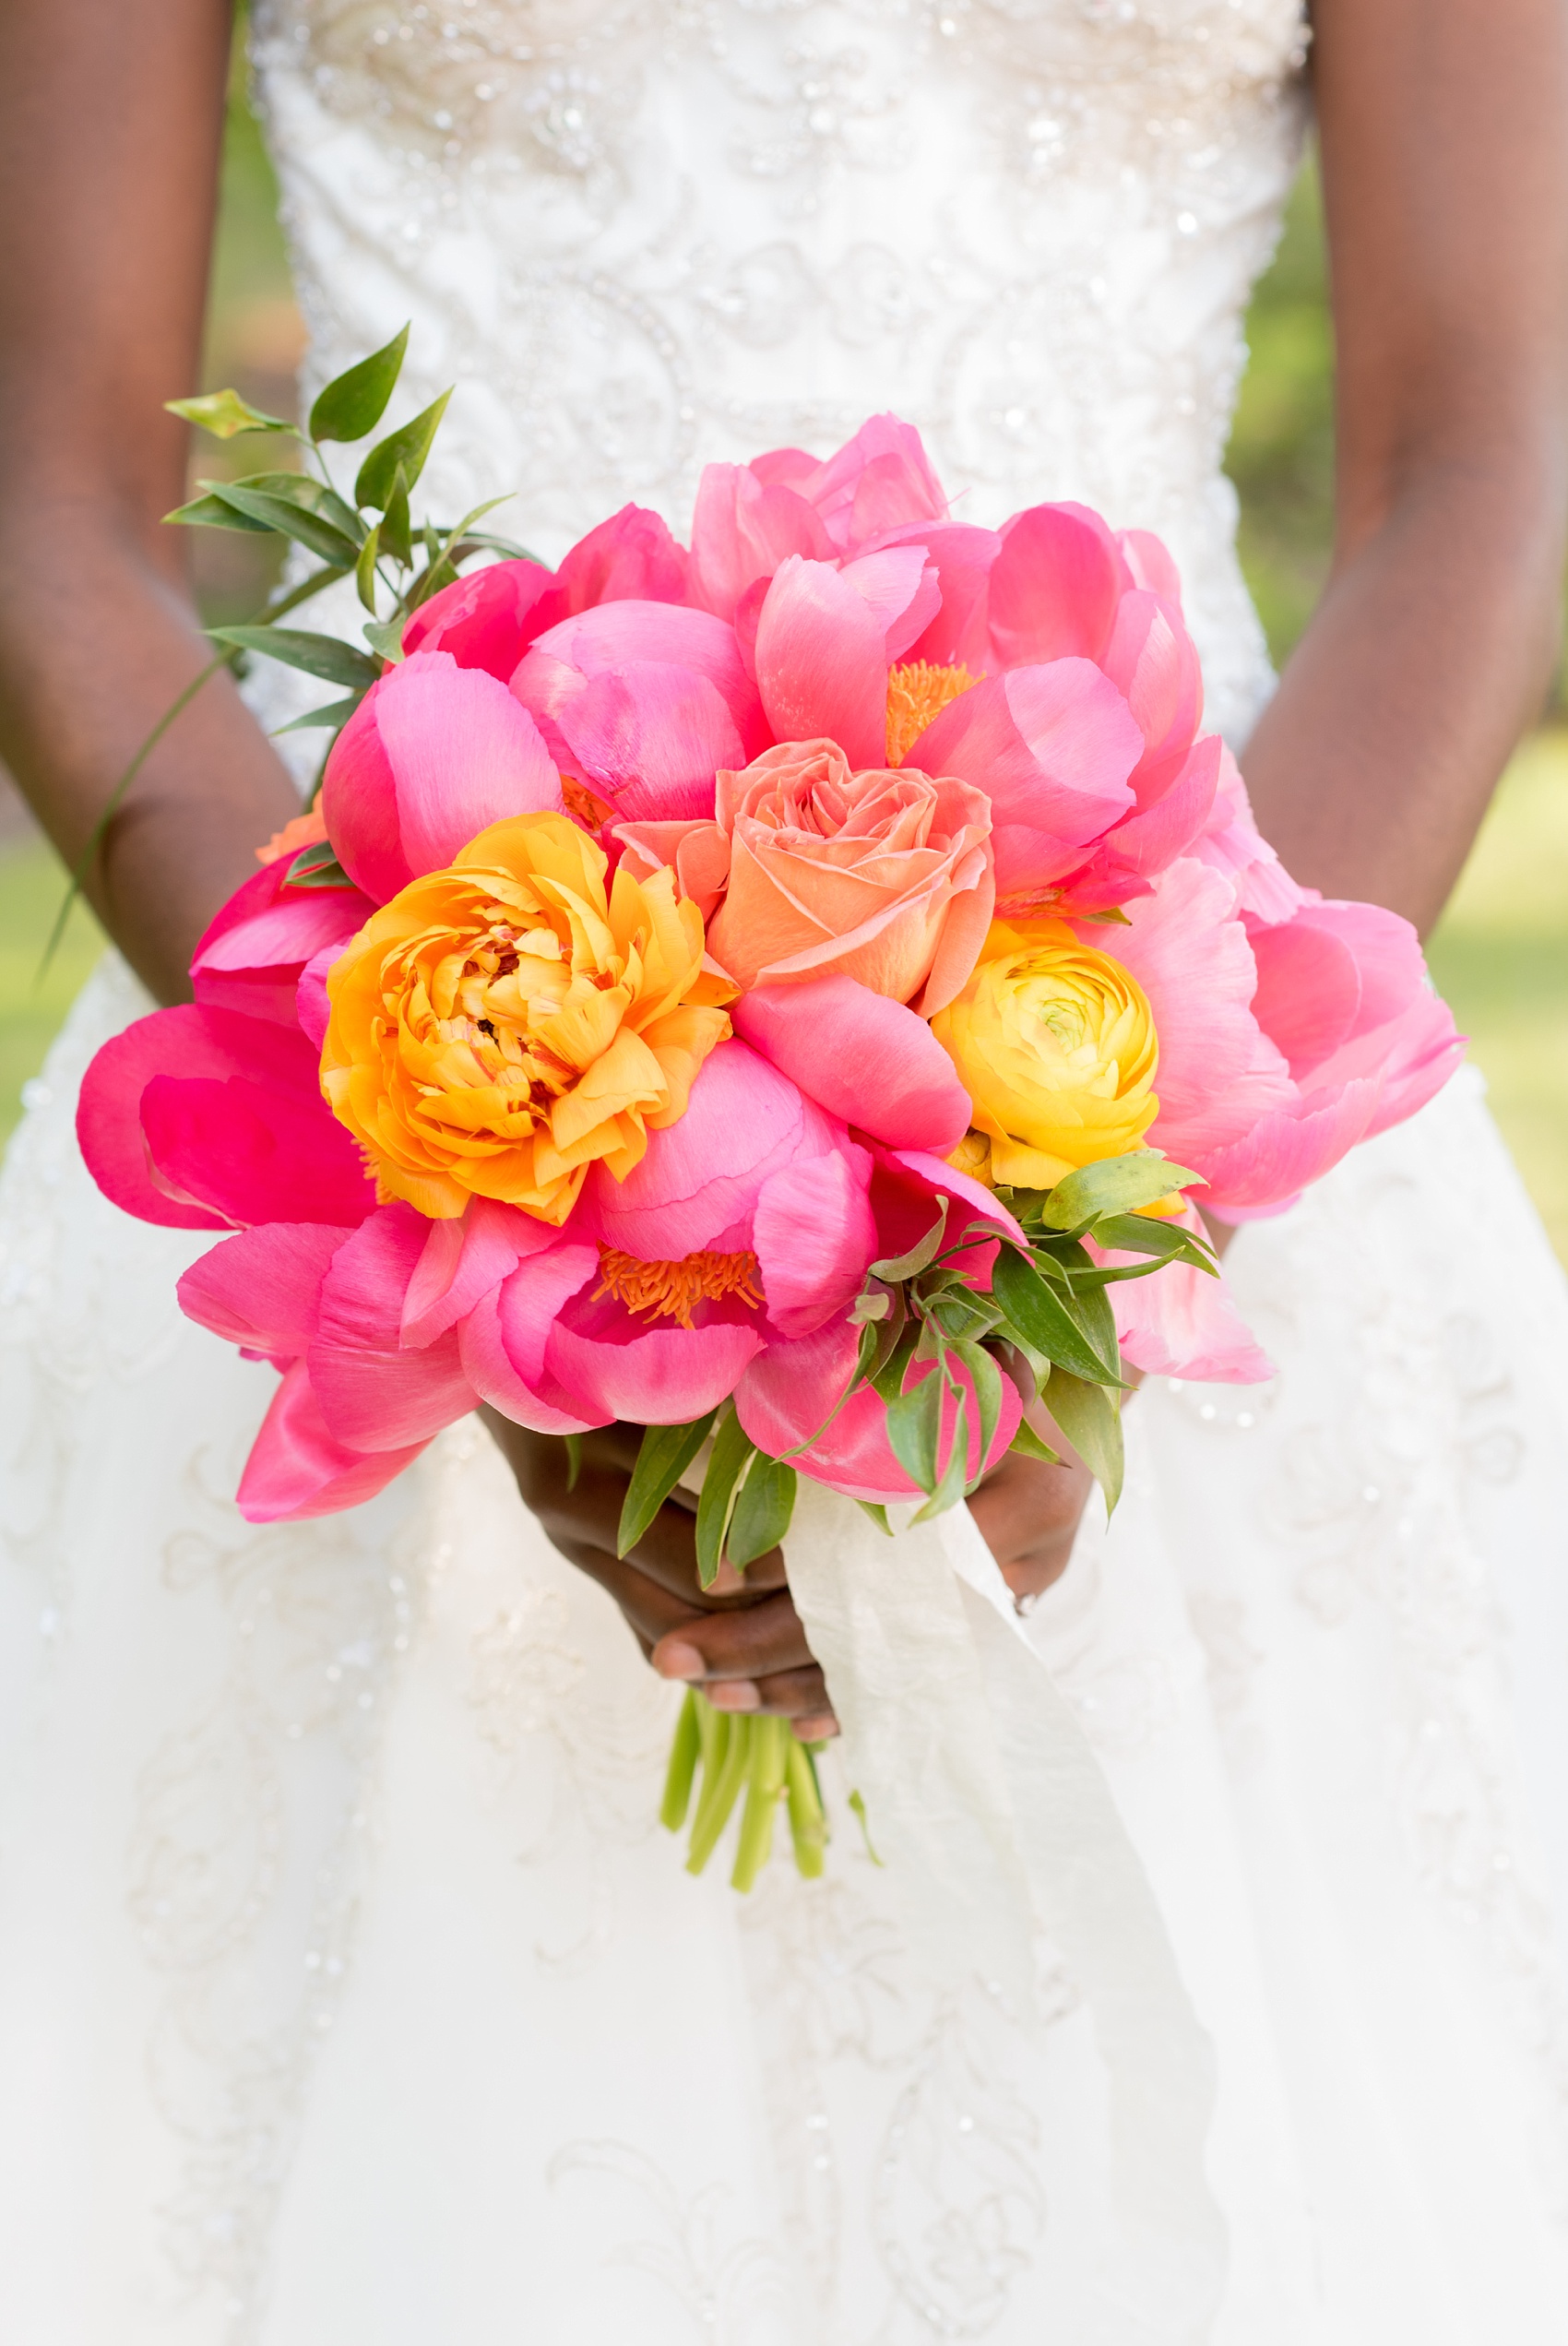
1054 1044
502 1025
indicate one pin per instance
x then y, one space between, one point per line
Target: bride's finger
754 1642
787 1694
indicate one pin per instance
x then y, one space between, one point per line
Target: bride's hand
740 1639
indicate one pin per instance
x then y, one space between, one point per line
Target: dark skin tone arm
111 126
1445 171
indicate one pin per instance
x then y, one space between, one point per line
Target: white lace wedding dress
348 1989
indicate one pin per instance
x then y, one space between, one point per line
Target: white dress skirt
348 1988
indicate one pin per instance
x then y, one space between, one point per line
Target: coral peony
502 1025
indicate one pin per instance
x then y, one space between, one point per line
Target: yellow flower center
917 693
672 1291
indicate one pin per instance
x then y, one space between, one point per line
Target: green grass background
1501 955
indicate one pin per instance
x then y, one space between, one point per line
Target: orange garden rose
809 868
502 1024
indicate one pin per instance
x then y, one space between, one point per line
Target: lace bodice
643 234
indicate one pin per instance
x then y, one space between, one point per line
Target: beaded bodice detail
641 235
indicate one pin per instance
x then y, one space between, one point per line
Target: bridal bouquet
783 992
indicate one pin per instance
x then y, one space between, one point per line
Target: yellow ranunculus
1054 1044
502 1024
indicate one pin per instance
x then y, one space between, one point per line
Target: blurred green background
1501 955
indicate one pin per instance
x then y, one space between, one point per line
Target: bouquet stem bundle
735 1752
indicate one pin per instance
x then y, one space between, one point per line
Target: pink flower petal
878 479
298 1469
486 620
1053 747
261 1289
615 636
899 587
744 528
656 1374
463 1261
813 1237
698 1183
1283 1154
1180 1322
1218 1072
792 1390
630 558
1054 586
252 955
253 1154
374 1392
533 1296
651 737
862 1057
822 663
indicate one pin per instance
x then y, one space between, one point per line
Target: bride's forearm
94 647
1445 196
1428 656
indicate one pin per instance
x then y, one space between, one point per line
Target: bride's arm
1443 128
111 123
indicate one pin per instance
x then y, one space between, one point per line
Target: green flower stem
683 1755
722 1777
768 1739
808 1818
734 1752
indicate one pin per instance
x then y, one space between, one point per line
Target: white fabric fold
998 1831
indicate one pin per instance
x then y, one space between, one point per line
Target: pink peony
488 619
432 755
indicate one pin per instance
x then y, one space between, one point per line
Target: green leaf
354 402
878 1514
1136 1234
665 1452
1113 1186
1091 1419
290 520
731 1450
335 713
1028 1443
325 656
1046 1320
364 569
317 866
395 529
574 1442
1112 914
408 446
987 1380
914 1424
888 1376
212 513
224 413
385 635
857 1802
762 1510
897 1267
956 1474
303 490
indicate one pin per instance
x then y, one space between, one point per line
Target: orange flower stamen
584 806
915 693
672 1291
